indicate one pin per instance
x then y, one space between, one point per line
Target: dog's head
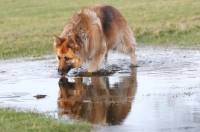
70 93
65 50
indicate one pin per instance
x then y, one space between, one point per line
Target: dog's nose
63 71
60 73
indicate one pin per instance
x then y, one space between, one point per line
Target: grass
27 27
17 121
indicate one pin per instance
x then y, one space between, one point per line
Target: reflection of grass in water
12 121
27 27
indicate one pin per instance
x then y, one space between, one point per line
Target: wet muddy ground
162 94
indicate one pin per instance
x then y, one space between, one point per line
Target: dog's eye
66 58
58 57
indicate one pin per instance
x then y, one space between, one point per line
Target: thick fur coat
89 35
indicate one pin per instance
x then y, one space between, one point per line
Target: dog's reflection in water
98 100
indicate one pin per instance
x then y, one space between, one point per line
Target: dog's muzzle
62 72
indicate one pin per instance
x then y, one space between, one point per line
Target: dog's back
115 27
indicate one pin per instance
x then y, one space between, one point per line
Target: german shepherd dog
89 35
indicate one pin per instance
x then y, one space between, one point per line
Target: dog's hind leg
129 45
132 54
134 59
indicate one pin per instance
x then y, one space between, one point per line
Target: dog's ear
58 40
72 44
78 43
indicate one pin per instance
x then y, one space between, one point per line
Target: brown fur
98 101
89 35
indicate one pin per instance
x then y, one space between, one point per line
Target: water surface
162 94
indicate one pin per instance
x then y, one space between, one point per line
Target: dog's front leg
98 59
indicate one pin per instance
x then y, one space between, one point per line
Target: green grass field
27 27
12 121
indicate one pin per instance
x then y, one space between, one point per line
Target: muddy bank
162 94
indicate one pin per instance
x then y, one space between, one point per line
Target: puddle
162 94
